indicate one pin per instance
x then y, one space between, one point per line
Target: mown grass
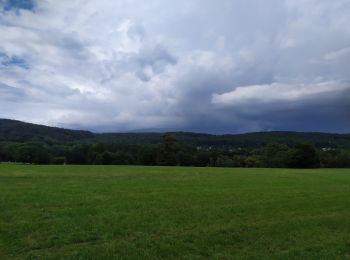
122 212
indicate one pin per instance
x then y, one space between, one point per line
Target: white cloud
127 65
337 54
277 92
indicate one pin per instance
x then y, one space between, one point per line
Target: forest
36 144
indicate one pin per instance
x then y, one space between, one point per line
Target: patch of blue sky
8 61
18 4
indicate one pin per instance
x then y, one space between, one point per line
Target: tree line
170 152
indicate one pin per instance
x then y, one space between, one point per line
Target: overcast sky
213 66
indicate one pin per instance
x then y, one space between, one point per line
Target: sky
227 66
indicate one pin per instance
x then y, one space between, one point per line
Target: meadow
130 212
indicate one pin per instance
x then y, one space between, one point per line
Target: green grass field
111 212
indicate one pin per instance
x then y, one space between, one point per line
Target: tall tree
168 149
304 156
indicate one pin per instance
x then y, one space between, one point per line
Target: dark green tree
303 155
147 155
167 150
32 153
275 155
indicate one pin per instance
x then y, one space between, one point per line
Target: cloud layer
199 65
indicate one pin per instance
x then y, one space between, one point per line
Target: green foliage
16 131
147 154
28 143
202 158
58 160
225 161
276 155
303 156
78 154
167 150
32 153
335 158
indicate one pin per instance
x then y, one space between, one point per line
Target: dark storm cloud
322 105
201 65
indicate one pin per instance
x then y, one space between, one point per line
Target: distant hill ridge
18 131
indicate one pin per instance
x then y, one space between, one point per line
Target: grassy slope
100 212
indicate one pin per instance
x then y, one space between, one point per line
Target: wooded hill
30 143
17 131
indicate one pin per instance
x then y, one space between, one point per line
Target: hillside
17 131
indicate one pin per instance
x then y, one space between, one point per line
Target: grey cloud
203 65
153 62
8 93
